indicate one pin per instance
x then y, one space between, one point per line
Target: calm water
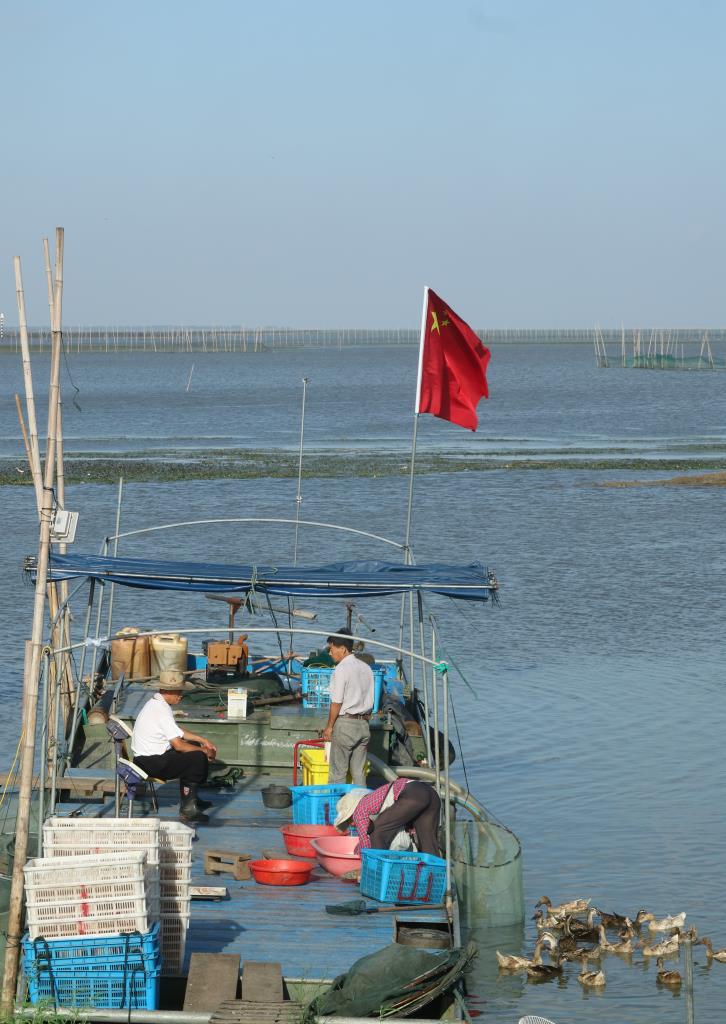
596 725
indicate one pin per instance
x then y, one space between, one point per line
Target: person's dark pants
418 806
189 766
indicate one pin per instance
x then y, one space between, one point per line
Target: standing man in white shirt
351 705
164 750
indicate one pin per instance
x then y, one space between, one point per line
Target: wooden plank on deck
261 982
213 978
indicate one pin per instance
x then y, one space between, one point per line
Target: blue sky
537 162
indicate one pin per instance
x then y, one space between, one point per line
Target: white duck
669 947
573 907
509 962
664 924
624 946
591 979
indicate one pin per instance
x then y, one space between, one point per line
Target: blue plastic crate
136 987
393 876
315 685
110 951
316 805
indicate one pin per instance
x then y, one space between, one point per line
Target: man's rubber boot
189 809
203 805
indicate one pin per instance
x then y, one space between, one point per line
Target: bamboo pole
28 380
58 596
32 674
24 432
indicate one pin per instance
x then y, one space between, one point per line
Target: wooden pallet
227 862
243 1011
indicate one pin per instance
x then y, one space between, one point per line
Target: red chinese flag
453 366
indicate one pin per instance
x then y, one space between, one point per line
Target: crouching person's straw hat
347 805
172 681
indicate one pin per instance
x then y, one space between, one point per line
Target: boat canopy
372 578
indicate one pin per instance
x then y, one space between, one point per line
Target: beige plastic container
130 655
168 653
237 703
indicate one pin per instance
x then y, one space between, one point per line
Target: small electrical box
63 527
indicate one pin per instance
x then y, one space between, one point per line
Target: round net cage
487 869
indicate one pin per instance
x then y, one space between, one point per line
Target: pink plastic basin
297 838
335 853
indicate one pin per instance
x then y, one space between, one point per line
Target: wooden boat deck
288 925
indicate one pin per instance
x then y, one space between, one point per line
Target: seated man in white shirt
162 749
351 704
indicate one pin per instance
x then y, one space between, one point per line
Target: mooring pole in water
35 468
688 957
58 595
31 675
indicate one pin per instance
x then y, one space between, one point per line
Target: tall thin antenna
298 496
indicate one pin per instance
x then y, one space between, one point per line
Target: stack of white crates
175 874
168 849
101 894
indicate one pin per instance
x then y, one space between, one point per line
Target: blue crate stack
108 972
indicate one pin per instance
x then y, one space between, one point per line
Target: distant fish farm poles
651 348
666 349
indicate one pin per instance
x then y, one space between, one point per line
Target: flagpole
408 554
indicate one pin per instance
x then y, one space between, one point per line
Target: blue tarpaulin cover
339 579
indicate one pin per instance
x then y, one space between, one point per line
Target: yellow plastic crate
315 769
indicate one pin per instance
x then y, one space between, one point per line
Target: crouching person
165 751
387 818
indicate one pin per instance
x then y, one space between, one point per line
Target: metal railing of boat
36 1014
250 519
112 540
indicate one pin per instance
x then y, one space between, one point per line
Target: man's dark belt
363 714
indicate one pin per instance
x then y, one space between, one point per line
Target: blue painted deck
285 924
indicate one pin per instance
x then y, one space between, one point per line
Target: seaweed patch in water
167 467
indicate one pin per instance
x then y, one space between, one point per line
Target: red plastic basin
280 872
297 838
335 853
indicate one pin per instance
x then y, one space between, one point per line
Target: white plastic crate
175 872
177 890
174 929
68 837
91 917
88 869
174 838
178 905
177 858
99 894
